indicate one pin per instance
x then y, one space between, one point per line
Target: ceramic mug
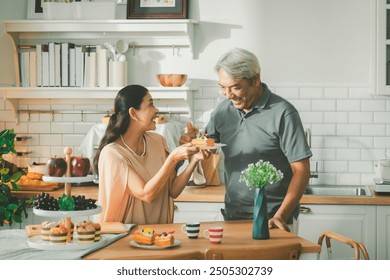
384 169
192 229
214 233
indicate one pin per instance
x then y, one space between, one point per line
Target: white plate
88 178
37 243
63 214
154 247
216 146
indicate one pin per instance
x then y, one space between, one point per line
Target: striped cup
192 229
214 234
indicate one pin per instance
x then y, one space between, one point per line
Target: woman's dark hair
127 97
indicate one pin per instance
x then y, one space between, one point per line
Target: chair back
288 251
357 246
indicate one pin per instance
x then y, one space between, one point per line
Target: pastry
86 233
58 235
62 223
34 175
45 229
146 236
98 228
202 141
164 239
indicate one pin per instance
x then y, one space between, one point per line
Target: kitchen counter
216 194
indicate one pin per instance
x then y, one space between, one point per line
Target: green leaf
66 203
17 218
15 186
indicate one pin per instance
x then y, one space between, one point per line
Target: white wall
318 54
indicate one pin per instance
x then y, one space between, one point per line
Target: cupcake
45 229
62 223
58 235
98 228
86 233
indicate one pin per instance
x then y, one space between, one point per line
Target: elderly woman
137 174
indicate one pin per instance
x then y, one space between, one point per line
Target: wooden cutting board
110 227
47 187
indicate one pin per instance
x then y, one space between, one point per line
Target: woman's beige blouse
114 194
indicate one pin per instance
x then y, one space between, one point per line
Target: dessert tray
154 247
37 243
216 146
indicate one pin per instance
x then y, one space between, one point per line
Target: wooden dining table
235 233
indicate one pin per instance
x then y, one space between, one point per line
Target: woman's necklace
131 150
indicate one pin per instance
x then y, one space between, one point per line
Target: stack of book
62 65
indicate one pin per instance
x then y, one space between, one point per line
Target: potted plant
11 208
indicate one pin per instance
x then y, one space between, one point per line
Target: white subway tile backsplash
336 142
348 179
382 117
324 105
360 167
360 93
72 140
335 117
373 154
347 154
324 129
348 129
360 117
373 105
64 128
311 92
287 92
338 166
38 127
312 117
348 105
361 142
373 130
50 139
336 93
302 105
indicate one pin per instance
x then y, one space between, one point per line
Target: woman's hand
183 152
202 155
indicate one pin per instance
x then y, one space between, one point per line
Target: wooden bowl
171 80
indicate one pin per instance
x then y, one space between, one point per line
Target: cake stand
37 242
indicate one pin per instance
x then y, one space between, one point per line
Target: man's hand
278 223
190 133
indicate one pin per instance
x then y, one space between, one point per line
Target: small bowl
171 80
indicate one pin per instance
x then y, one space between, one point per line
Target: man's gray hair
240 64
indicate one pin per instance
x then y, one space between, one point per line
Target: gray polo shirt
271 131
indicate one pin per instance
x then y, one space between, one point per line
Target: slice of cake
58 235
203 141
164 239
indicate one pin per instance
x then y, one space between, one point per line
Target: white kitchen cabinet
197 211
355 221
137 33
383 232
383 48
